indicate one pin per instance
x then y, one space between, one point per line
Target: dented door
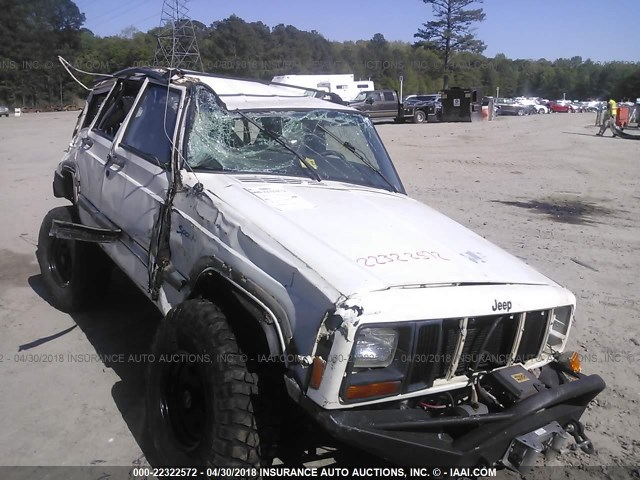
138 174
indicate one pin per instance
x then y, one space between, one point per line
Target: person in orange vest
609 119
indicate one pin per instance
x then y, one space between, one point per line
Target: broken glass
224 141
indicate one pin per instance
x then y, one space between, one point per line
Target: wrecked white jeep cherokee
272 231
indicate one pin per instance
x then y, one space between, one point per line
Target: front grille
488 344
425 364
535 327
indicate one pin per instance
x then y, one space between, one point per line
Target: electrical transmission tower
177 46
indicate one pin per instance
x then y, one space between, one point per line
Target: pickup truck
380 104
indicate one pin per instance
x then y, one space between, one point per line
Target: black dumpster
463 105
456 105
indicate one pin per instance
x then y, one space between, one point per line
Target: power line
177 46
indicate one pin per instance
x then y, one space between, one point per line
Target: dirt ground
542 187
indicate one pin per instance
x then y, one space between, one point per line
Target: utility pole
177 46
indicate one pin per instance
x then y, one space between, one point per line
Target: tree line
40 30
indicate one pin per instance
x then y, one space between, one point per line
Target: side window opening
117 107
90 110
97 99
388 97
151 128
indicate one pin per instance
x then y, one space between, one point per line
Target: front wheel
73 271
419 117
203 406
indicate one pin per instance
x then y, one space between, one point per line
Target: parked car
537 106
511 107
294 273
556 107
4 111
577 107
591 106
540 108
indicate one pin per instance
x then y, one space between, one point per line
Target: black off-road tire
204 406
73 271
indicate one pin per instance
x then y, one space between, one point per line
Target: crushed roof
250 95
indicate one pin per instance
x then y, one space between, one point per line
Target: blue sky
602 30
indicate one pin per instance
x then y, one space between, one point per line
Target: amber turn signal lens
372 390
574 363
570 361
317 373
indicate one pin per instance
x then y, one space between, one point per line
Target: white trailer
343 85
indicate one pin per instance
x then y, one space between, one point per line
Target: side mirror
369 101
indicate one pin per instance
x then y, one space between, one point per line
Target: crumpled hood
360 239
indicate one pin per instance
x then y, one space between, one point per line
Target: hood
361 239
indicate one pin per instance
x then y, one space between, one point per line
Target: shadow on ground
125 323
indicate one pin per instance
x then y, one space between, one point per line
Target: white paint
399 305
280 198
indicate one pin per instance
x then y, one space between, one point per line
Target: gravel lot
544 188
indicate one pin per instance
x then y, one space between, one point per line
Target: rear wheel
419 117
73 271
521 112
204 406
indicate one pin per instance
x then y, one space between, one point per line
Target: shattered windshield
340 146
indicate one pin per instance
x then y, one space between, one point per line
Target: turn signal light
372 390
571 361
574 363
317 372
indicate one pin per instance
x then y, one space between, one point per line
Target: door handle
119 161
116 160
113 159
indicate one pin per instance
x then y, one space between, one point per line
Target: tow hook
576 429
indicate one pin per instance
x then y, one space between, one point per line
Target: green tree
451 30
38 31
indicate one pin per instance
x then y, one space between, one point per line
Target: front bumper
411 437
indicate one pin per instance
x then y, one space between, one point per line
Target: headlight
559 326
375 347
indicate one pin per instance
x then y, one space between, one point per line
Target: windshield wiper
309 168
360 156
